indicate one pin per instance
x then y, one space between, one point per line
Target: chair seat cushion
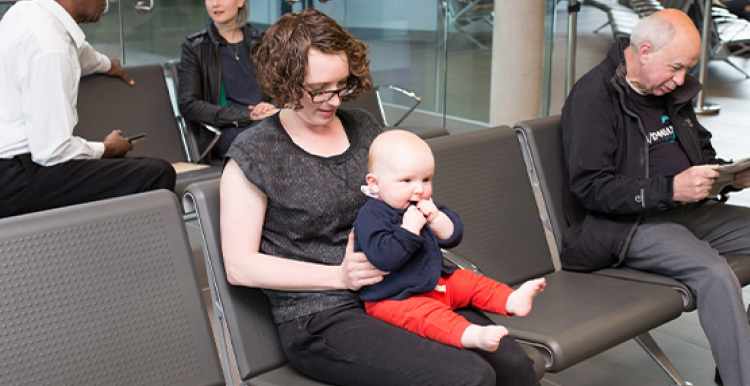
590 314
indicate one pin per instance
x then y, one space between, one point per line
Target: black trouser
345 346
27 187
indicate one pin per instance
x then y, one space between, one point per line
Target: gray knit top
312 201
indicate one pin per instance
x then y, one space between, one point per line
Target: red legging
431 314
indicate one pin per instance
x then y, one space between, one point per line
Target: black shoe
717 378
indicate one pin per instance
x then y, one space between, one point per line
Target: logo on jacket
663 135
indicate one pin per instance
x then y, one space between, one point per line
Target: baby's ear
372 183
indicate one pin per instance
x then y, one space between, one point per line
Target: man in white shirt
43 55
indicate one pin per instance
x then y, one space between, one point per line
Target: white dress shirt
43 55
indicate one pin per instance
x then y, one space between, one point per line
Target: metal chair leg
647 343
737 68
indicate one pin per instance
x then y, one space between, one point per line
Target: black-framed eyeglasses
326 95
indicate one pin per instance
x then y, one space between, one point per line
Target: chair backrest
247 311
541 140
103 293
473 173
371 102
105 104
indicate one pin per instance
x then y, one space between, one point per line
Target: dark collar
214 34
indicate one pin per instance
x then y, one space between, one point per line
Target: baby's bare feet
485 338
520 301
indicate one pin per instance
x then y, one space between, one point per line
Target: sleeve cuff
671 203
105 64
98 148
670 185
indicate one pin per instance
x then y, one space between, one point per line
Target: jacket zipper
623 244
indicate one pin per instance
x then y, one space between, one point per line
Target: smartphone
136 138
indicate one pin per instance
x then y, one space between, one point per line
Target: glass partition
468 42
426 46
146 31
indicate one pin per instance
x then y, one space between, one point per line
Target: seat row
109 290
485 177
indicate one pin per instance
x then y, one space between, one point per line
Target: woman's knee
514 367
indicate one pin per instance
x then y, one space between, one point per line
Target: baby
401 230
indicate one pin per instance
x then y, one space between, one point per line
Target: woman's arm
243 208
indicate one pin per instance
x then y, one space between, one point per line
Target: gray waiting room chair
246 313
541 140
105 104
482 176
103 293
199 138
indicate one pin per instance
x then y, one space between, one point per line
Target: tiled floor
682 340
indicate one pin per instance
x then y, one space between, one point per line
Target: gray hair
243 14
654 29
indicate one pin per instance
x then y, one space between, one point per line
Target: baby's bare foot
520 301
485 338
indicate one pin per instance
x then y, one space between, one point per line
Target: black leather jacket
609 186
200 78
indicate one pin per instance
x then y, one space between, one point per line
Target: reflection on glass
469 58
150 37
407 44
104 35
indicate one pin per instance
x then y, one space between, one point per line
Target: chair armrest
459 261
411 94
217 134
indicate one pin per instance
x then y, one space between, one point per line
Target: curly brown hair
281 57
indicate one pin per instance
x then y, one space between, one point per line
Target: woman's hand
262 110
356 271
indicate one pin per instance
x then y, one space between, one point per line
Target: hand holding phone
136 138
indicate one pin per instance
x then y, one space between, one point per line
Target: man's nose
679 77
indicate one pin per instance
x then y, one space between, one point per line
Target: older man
42 165
639 175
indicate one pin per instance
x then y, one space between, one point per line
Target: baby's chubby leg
485 338
520 301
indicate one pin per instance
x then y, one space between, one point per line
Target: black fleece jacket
200 78
609 187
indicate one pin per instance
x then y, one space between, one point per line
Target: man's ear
645 51
372 183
